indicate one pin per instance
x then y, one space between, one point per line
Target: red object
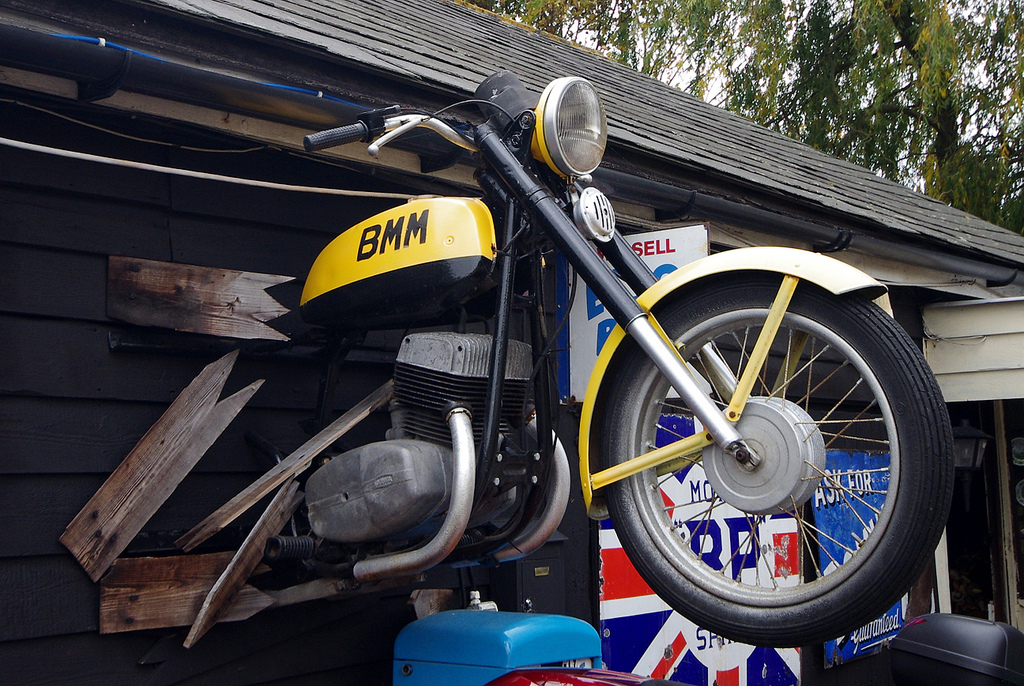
787 554
730 678
668 662
566 677
621 580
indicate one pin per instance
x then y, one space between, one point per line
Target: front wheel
852 493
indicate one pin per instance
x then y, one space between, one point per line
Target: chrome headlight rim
547 141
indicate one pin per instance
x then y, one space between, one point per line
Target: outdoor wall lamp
968 452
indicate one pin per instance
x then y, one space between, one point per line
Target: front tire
828 559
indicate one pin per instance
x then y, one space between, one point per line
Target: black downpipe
101 70
542 387
538 201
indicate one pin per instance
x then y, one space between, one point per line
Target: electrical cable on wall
145 166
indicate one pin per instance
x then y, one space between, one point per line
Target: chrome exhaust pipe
556 499
409 562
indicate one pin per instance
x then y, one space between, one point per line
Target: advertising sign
589 322
867 477
642 634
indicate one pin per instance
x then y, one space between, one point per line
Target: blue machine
472 647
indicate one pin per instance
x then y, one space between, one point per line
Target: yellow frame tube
761 347
654 458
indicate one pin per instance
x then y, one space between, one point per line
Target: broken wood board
229 583
154 468
286 469
184 297
159 592
336 589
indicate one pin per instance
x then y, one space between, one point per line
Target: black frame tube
631 268
499 351
538 201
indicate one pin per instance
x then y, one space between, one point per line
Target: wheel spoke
673 432
830 538
746 542
794 349
810 391
759 556
805 537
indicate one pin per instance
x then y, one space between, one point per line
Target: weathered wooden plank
218 601
286 469
157 592
153 469
218 302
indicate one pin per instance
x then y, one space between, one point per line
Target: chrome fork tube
667 360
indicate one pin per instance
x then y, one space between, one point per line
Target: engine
399 488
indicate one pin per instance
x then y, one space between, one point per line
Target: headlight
571 129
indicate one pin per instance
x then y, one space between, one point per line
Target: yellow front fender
827 272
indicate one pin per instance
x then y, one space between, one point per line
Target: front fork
720 428
738 390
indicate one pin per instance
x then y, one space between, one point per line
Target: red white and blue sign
641 634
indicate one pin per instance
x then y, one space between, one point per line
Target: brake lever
408 122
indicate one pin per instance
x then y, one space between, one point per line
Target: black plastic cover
505 90
953 649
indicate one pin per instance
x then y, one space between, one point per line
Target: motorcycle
750 369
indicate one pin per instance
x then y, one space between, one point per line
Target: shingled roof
450 47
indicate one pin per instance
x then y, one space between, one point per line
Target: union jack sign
641 634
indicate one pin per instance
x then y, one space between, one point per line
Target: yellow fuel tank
407 264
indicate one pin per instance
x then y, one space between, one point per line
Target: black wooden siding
71 408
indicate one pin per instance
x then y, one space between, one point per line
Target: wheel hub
792 453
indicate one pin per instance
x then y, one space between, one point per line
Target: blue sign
844 507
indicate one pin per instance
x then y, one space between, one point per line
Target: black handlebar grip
350 133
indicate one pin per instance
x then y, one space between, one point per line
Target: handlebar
391 127
350 133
